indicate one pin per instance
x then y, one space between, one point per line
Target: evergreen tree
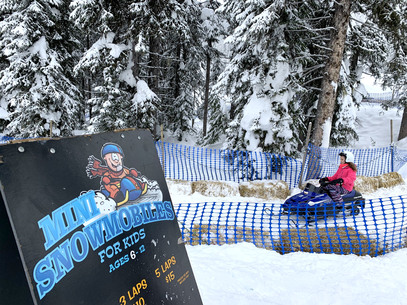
145 103
390 16
38 91
329 85
215 29
140 40
375 33
187 77
218 119
169 57
264 74
305 28
308 25
107 63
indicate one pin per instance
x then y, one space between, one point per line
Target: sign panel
93 223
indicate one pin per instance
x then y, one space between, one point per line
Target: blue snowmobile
314 203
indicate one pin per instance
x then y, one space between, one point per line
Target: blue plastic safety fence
399 158
322 162
5 139
197 163
378 228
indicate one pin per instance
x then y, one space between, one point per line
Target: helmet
111 148
349 157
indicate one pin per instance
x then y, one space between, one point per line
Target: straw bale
221 235
179 186
371 184
341 240
390 180
266 189
366 184
215 188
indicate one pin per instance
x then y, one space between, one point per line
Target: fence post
305 153
392 156
50 129
391 131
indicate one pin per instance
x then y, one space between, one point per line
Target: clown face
114 161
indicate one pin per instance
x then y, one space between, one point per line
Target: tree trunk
326 103
136 62
403 126
153 80
177 68
207 82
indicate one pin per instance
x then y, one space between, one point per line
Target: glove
323 181
337 181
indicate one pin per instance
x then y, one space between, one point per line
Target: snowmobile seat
349 195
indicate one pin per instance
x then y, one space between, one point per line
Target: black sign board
89 220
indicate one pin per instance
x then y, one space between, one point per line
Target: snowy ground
243 274
377 124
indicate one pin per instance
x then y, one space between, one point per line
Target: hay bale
341 240
221 235
372 184
179 186
390 180
215 188
266 189
366 184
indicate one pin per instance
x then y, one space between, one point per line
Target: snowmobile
314 203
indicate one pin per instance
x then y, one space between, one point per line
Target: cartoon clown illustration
122 184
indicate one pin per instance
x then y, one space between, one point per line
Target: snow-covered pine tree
344 116
218 119
142 40
37 89
375 45
261 78
330 79
145 105
186 77
146 33
307 34
391 17
375 34
108 62
215 119
366 50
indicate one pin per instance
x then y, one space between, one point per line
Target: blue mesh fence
380 227
322 162
399 158
197 163
4 139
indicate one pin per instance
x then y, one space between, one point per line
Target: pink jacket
347 174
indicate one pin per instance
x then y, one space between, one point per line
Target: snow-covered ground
243 274
380 126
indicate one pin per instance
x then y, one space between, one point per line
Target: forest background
255 72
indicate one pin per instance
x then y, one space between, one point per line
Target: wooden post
391 131
305 153
162 148
50 129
